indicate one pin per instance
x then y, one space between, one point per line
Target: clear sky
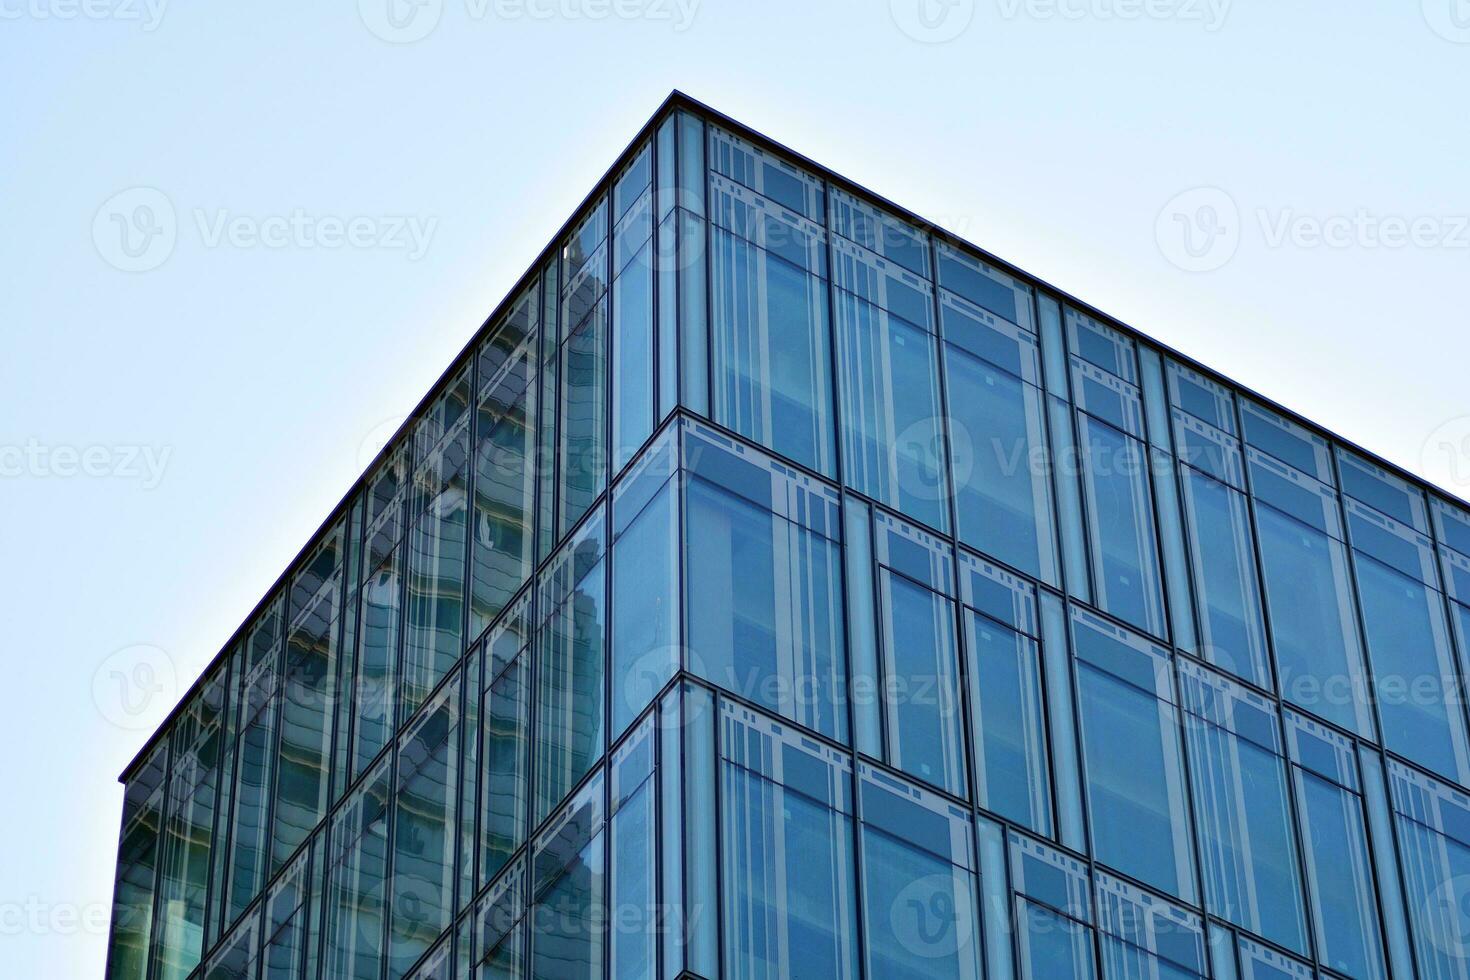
241 241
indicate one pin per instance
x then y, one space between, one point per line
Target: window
1009 724
1434 843
504 708
571 666
258 703
771 351
132 900
1131 756
1244 813
358 880
570 892
893 436
637 922
785 810
920 918
764 582
1335 845
309 685
1313 627
921 684
1121 526
1231 625
1145 936
500 951
286 924
645 596
1413 669
1053 912
632 302
188 840
583 357
504 478
1002 486
424 831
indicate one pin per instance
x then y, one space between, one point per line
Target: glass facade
779 588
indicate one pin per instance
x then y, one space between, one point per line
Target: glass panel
1313 626
890 237
1244 813
1009 724
785 809
1434 841
424 832
772 360
501 937
1131 756
1053 945
984 285
920 918
921 682
632 354
434 638
284 956
188 842
1419 695
250 841
1121 526
1231 623
505 713
645 596
505 485
358 881
377 659
583 458
571 665
568 918
1002 473
764 580
1284 439
1146 937
137 856
893 440
1339 871
635 920
766 173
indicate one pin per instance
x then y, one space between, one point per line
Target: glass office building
777 587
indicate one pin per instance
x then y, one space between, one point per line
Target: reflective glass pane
1009 724
1121 526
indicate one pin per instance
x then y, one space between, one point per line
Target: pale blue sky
171 436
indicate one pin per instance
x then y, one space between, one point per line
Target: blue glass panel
1294 492
1202 397
133 888
890 237
500 949
1245 834
583 458
1286 440
1452 524
1392 543
1145 936
785 805
1130 744
1208 449
1414 675
1231 622
1258 962
772 365
1314 628
893 437
1100 345
632 357
1009 724
882 283
997 593
764 602
1383 491
645 596
1121 527
1107 397
568 918
918 883
983 284
1052 907
635 918
1340 876
570 727
767 225
979 332
506 742
766 173
1433 822
1049 876
1456 569
1053 946
355 937
1001 469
